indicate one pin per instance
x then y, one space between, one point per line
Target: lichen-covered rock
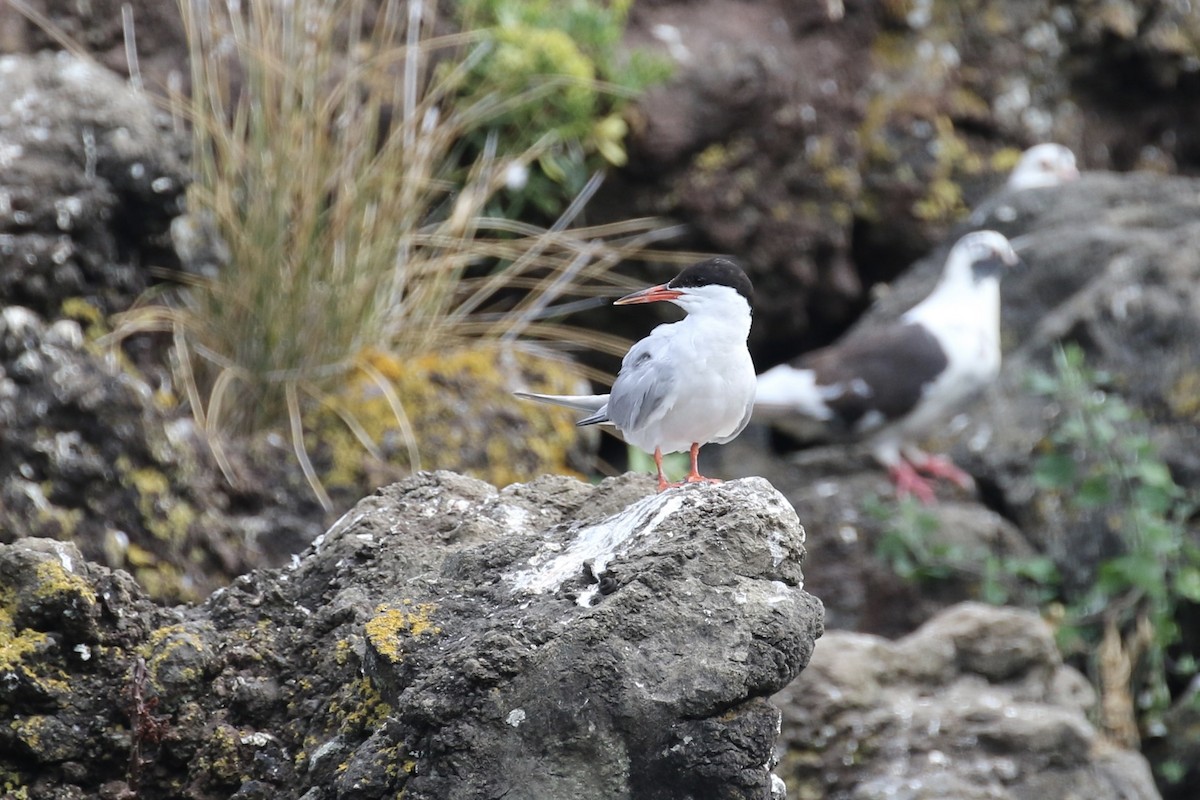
443 639
89 454
458 413
974 704
68 633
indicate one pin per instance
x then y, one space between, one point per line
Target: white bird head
979 256
1045 164
716 286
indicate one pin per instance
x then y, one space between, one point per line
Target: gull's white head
979 256
1046 164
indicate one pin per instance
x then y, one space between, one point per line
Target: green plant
907 543
569 50
328 151
1104 469
910 544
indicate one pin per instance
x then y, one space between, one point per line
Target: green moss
391 626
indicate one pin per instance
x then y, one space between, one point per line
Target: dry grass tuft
327 145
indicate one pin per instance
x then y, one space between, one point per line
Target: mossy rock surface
460 412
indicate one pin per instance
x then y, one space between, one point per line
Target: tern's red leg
941 467
909 482
694 476
663 483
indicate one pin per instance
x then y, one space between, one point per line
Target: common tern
689 382
893 386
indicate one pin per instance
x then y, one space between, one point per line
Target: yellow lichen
53 580
1183 396
390 626
23 654
161 645
433 391
712 158
80 310
361 709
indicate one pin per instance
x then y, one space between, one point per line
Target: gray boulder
443 639
974 704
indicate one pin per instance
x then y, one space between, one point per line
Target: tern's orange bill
653 294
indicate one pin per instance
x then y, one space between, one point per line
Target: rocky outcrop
443 639
94 447
974 704
1110 265
829 144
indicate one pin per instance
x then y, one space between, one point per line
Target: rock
89 454
99 27
846 499
831 144
443 639
974 704
91 176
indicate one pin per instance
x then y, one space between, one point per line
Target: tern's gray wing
645 387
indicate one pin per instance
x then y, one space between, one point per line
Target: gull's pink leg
941 467
908 482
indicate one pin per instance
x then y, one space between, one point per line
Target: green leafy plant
568 50
328 152
907 543
1104 469
1098 469
911 544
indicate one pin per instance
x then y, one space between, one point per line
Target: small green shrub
907 543
568 49
912 546
1102 468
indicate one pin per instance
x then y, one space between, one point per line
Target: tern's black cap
717 271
